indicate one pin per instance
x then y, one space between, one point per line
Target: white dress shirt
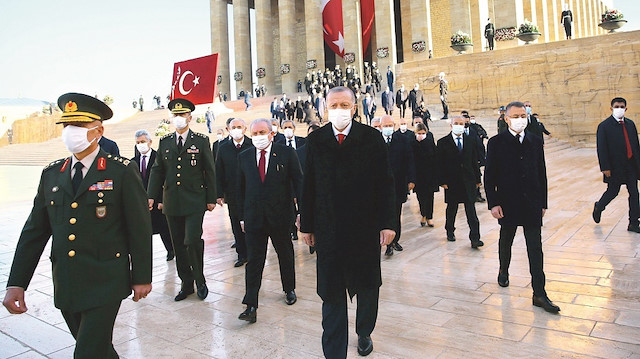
183 135
266 158
455 139
238 143
86 162
293 142
514 133
345 132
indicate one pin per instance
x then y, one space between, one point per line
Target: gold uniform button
72 221
117 255
178 175
72 253
100 194
179 158
178 183
74 205
72 237
100 201
52 203
178 167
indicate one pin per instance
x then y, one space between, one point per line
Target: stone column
508 13
461 12
407 39
220 43
441 27
479 10
287 21
264 34
242 43
553 16
353 33
576 29
420 29
313 28
385 31
543 20
592 30
585 17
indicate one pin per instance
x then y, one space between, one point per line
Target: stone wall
33 129
570 83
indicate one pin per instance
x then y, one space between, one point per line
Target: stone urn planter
462 48
528 37
612 25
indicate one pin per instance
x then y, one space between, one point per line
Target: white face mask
142 147
421 137
340 118
618 113
274 128
288 132
261 142
387 131
219 137
75 138
180 122
518 124
236 134
457 129
472 121
403 128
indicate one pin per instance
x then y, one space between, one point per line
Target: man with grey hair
145 157
347 211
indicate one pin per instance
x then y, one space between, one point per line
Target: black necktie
518 137
77 177
289 143
179 143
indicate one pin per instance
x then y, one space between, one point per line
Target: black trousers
160 226
533 239
257 241
389 111
612 192
472 219
396 239
445 109
403 109
490 40
335 324
93 331
188 246
239 236
425 200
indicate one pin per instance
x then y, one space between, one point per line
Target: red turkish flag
195 79
367 14
333 26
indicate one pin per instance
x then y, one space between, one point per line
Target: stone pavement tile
149 346
629 318
500 329
22 327
616 332
221 343
580 344
9 346
621 304
29 355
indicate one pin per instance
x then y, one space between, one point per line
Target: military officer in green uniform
95 207
183 177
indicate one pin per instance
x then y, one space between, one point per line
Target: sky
119 48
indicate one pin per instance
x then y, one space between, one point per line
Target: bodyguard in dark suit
290 139
390 78
302 157
516 184
416 97
619 158
266 174
227 182
183 177
94 206
347 211
275 125
220 139
403 169
459 175
145 158
109 146
532 124
403 129
401 100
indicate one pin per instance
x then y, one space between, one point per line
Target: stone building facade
290 33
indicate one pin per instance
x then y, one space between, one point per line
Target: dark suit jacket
388 100
269 203
401 98
532 126
460 171
348 197
479 143
426 163
300 141
415 98
216 145
227 173
302 156
279 138
158 220
109 146
515 178
402 164
612 149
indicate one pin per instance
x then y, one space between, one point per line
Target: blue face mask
387 131
528 109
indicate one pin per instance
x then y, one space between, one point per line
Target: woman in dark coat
424 154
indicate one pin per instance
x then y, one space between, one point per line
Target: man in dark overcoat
516 184
459 175
619 158
347 211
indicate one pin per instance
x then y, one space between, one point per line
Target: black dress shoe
365 345
389 251
422 224
546 304
503 280
170 255
597 213
451 237
182 295
480 199
233 245
476 244
291 297
240 262
250 314
633 228
312 249
397 247
203 291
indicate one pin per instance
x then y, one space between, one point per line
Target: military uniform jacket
101 235
187 177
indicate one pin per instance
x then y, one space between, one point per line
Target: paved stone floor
439 299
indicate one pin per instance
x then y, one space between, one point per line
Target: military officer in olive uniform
184 170
95 207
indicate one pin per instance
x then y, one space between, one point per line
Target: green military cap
180 105
77 107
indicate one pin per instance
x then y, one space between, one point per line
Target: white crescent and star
324 3
196 82
340 42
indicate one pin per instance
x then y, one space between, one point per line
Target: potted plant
461 42
528 32
612 20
